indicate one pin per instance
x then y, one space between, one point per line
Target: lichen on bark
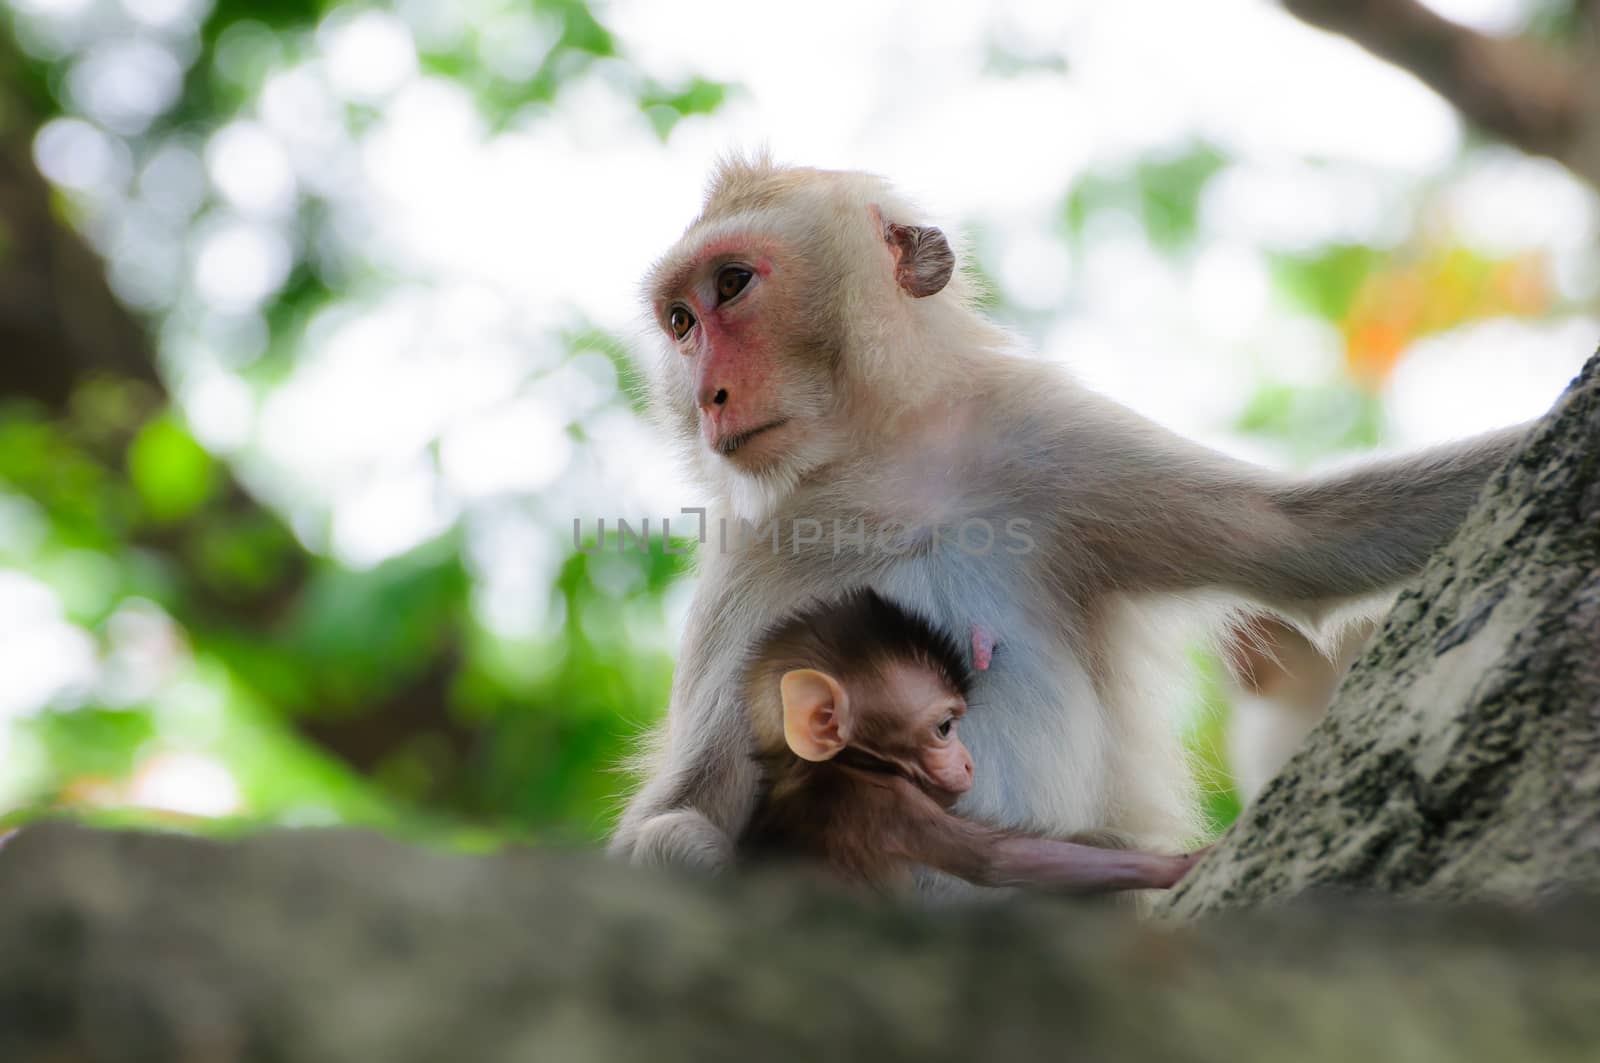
1461 758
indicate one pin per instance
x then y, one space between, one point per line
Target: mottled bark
338 947
1461 757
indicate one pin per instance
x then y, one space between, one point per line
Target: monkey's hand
681 838
1184 863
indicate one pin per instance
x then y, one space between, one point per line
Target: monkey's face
927 743
774 307
906 714
748 370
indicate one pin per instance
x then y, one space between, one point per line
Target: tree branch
1516 89
59 321
339 946
1458 760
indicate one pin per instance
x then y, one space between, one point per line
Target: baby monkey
862 775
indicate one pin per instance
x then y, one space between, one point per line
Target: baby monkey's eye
681 321
944 729
731 281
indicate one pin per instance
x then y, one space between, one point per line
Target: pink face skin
948 764
938 751
725 314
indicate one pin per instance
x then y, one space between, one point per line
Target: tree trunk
336 947
59 322
1461 758
61 328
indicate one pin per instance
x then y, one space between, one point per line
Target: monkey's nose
710 396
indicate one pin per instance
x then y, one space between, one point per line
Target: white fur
923 409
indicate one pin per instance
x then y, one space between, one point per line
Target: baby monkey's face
924 717
905 713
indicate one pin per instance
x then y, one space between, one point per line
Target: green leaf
1169 194
1312 422
1206 740
361 633
579 30
1091 194
630 381
243 554
173 474
87 506
1163 194
1325 283
97 743
665 107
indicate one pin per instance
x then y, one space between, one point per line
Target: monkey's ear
923 261
816 714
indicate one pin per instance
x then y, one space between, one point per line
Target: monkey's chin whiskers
728 445
754 494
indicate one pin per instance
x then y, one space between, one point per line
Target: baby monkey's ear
816 714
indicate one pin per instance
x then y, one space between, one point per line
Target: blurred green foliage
1326 281
226 639
1206 738
239 660
172 474
330 694
664 106
1162 193
1312 422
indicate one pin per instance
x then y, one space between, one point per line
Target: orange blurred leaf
1443 289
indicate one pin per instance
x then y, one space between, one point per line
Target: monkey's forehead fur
748 189
858 633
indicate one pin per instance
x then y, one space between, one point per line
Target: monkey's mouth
727 445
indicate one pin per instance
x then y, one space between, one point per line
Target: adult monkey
825 366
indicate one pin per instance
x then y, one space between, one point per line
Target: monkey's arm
700 779
698 793
1021 860
935 838
1195 518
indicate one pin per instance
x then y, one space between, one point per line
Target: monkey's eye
731 281
680 321
944 729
